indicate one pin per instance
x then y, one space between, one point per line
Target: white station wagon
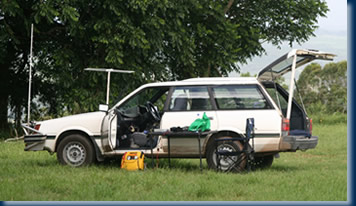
281 124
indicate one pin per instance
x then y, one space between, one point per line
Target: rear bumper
34 142
293 143
34 139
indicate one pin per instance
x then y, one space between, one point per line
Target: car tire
226 162
262 162
75 150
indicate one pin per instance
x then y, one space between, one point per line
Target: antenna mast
30 80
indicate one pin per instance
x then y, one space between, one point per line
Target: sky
331 36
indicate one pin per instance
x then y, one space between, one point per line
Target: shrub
323 118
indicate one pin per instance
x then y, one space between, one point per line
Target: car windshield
155 95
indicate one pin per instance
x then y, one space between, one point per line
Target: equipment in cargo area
133 161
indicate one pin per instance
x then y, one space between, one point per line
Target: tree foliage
158 39
247 74
324 89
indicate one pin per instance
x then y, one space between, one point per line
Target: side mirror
103 107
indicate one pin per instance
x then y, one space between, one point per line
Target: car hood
87 122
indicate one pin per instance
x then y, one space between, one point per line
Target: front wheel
75 150
236 163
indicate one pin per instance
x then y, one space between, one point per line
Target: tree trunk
5 88
3 111
207 72
4 96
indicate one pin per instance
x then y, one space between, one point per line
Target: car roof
206 81
195 82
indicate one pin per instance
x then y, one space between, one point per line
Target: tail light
310 126
37 126
285 126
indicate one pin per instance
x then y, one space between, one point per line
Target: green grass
314 175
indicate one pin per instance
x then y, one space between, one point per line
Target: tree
15 22
325 89
247 74
159 39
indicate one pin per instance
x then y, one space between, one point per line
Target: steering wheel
153 111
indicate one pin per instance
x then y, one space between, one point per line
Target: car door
185 105
108 131
132 113
236 103
112 129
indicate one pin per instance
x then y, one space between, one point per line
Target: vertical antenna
108 88
30 80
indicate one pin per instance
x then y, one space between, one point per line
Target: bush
4 134
9 131
323 118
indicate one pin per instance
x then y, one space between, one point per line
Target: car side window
190 99
233 97
280 100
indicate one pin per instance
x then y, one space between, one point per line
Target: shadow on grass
193 165
41 163
109 163
283 168
183 164
160 163
186 165
46 163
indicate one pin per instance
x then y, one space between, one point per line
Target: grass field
314 175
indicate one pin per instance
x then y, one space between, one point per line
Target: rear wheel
236 163
262 162
75 150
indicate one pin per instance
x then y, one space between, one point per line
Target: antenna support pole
30 80
108 88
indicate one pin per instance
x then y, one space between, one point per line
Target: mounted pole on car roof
108 70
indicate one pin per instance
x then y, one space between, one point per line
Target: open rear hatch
284 64
299 125
288 63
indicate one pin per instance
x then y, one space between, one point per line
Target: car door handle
211 118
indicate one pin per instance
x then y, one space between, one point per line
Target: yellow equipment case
133 160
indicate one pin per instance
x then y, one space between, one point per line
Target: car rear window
233 97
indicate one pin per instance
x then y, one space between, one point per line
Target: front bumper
293 143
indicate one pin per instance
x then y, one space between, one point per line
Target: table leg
152 160
217 158
169 152
201 164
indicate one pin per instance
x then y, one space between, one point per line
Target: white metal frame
108 79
